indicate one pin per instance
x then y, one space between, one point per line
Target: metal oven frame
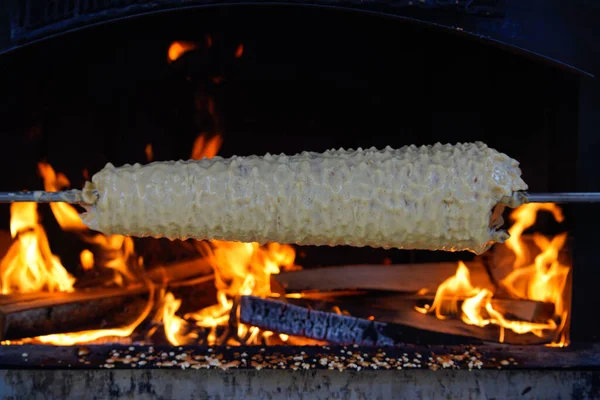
557 32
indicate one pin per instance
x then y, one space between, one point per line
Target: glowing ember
178 48
544 281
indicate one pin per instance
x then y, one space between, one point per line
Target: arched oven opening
244 80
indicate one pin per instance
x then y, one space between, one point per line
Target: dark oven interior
273 79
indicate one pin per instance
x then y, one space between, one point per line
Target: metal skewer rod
68 196
76 197
583 197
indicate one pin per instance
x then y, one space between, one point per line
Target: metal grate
34 19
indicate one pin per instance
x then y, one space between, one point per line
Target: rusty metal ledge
315 384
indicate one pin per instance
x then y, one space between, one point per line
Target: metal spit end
516 199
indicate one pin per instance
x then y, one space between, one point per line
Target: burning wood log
33 315
175 274
518 309
450 326
181 271
383 327
404 314
293 320
397 278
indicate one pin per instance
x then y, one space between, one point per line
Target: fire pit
81 312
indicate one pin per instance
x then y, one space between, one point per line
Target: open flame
206 148
149 152
116 250
239 51
179 48
240 269
66 216
69 339
450 292
245 269
544 280
29 265
87 259
524 217
173 325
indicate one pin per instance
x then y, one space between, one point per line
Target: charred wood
95 306
28 316
293 320
405 315
182 273
365 325
514 309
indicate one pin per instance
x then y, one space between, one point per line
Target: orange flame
524 217
149 152
66 215
240 269
86 258
545 280
29 265
239 51
206 148
72 338
119 252
173 325
451 291
179 48
117 249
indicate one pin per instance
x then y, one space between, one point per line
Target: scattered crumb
294 358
